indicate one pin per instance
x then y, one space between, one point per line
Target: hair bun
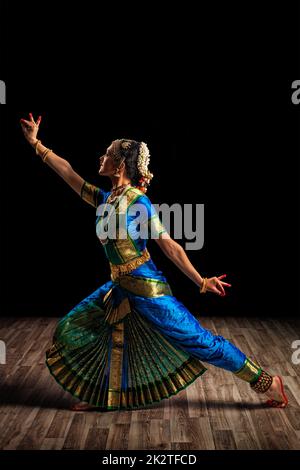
142 164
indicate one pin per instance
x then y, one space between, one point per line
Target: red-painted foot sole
279 404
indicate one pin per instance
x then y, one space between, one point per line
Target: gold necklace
115 193
114 188
119 187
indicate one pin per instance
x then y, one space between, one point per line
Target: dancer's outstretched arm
177 254
61 166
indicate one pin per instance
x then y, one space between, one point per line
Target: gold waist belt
118 270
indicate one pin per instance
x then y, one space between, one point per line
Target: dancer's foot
82 406
278 398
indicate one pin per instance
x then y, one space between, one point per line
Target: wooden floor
217 411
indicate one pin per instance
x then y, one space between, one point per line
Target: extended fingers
216 285
26 123
220 289
30 124
31 118
222 282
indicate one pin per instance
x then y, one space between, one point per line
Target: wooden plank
96 439
196 399
50 443
160 434
179 415
60 424
34 435
201 434
215 405
74 438
224 440
217 411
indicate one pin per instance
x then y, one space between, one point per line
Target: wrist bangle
36 146
203 287
45 154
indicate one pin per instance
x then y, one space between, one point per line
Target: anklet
263 383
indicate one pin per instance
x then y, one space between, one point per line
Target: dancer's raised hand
215 285
31 128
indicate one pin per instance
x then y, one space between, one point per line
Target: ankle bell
263 383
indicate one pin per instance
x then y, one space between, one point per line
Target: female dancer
131 343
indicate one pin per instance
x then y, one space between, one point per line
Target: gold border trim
116 363
145 287
249 372
118 270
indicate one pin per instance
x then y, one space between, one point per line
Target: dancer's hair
136 157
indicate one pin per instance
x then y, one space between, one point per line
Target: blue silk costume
131 343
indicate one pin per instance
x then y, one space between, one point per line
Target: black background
208 87
210 92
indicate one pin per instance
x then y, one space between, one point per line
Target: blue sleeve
143 218
92 194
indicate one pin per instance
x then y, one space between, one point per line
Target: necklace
119 187
115 192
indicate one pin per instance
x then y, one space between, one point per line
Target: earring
117 172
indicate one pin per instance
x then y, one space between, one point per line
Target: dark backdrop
214 105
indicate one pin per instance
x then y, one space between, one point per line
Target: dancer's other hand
31 128
216 286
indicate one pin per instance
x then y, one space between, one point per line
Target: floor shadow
14 395
215 404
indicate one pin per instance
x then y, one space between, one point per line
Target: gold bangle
203 287
45 154
36 146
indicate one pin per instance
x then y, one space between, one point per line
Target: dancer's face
107 164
